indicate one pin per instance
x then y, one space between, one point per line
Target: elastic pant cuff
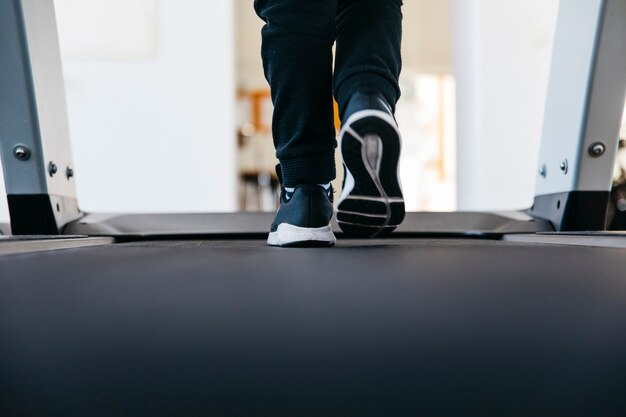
318 168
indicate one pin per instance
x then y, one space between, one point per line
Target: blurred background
169 109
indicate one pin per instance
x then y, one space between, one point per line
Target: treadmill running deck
424 327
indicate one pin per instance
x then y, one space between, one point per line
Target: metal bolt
52 169
597 149
543 171
564 166
69 173
21 152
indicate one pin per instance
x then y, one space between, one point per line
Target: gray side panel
19 123
47 75
606 102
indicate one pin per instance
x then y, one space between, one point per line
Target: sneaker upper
308 206
365 101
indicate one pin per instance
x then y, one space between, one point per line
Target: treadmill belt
393 327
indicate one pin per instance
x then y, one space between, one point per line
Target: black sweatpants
297 58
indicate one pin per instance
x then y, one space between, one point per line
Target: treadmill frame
34 132
583 114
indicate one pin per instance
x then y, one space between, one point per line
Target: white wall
158 134
248 47
153 128
426 33
502 55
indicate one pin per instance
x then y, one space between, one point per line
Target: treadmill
478 314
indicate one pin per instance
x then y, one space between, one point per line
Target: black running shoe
303 218
371 203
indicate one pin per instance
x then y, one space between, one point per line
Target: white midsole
287 234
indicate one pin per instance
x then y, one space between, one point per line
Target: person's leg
297 58
366 87
368 58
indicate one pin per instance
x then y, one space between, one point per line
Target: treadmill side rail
584 109
128 227
34 131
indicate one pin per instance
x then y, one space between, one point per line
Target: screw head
69 173
564 166
597 149
52 168
21 152
543 171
